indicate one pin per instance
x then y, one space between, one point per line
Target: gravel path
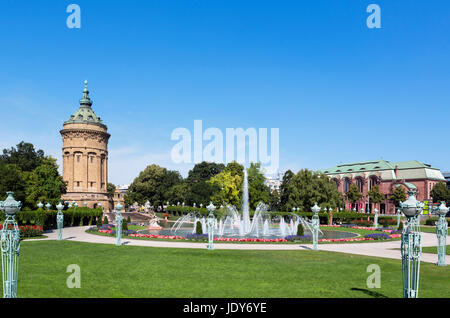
382 249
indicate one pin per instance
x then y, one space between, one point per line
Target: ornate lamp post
48 206
441 232
60 220
201 205
85 204
119 219
211 225
40 205
375 222
411 246
10 244
315 225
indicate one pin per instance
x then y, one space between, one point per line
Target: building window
78 183
360 185
373 182
78 158
347 184
92 159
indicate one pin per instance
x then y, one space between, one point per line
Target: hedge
47 219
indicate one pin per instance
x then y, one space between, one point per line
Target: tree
12 179
44 184
111 188
258 191
375 194
227 188
398 195
440 192
274 201
307 187
353 194
198 189
25 156
284 188
228 185
177 193
152 184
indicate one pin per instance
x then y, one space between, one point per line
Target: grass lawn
433 249
133 271
427 229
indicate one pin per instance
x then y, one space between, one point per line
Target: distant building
415 175
273 183
447 178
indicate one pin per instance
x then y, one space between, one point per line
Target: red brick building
388 175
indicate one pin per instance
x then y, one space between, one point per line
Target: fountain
236 225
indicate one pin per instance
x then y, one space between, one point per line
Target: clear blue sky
337 90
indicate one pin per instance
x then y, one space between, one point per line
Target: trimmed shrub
400 226
129 219
300 230
198 228
105 220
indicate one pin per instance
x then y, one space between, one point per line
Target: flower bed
347 239
28 230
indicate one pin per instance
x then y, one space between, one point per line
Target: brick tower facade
85 157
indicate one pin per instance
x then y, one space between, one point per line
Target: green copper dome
85 114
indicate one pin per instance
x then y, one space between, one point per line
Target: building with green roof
412 174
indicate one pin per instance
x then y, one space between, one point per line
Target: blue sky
337 90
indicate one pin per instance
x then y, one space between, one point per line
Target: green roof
375 165
85 114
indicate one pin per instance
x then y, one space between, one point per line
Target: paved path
382 249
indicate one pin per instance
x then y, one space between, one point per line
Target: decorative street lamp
211 226
194 204
119 219
315 225
10 244
354 209
48 206
399 214
441 232
201 205
411 246
40 205
60 220
85 204
375 223
362 210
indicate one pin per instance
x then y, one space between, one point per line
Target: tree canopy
31 175
440 192
307 187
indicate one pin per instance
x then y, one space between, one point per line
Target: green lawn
428 229
132 271
433 249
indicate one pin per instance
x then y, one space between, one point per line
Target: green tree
375 195
111 188
258 191
353 194
198 189
12 179
177 193
440 192
274 201
228 188
308 187
44 184
24 156
153 184
284 189
398 195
